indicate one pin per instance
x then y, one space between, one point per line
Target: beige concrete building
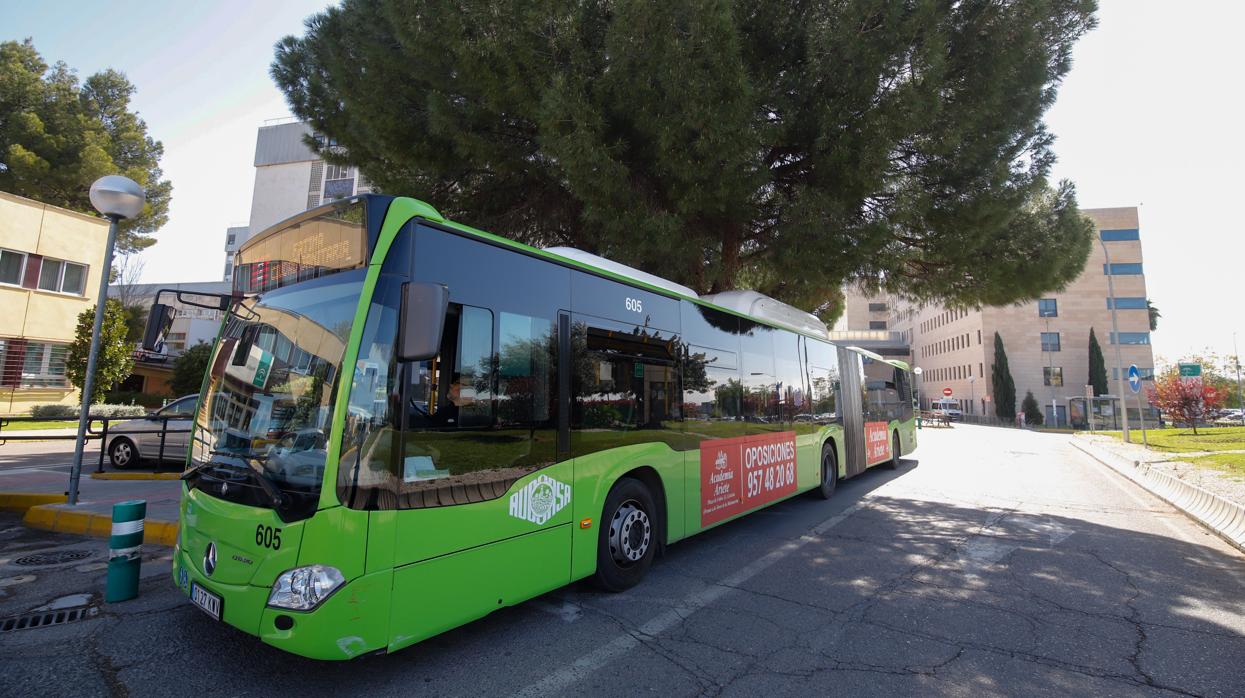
1046 341
50 265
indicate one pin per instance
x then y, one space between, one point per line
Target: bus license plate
206 600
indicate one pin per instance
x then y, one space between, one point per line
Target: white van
947 407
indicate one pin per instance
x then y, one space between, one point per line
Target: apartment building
289 179
1046 341
50 265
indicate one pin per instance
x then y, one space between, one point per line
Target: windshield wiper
264 479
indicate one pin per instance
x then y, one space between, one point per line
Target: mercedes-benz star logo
209 559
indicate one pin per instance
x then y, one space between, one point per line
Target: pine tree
1001 382
1033 414
58 135
1097 366
722 145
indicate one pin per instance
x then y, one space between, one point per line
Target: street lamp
972 393
117 198
1115 334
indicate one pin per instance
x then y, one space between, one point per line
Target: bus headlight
304 588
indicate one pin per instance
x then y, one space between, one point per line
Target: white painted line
591 662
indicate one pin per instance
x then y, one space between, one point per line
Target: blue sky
1149 115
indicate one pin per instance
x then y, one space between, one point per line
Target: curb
20 502
1223 518
51 517
136 476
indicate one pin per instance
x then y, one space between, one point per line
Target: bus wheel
122 453
626 543
829 472
893 463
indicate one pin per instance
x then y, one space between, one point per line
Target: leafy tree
1154 315
724 144
58 135
1033 413
116 353
189 368
1097 365
1004 388
1218 371
1185 401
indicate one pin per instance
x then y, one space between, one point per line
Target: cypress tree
1001 382
1033 415
720 144
1097 366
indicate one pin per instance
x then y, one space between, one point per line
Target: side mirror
422 320
159 321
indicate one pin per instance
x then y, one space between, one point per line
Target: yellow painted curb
22 501
136 476
86 523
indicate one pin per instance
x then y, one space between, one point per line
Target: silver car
131 441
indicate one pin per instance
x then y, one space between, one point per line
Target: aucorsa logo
540 499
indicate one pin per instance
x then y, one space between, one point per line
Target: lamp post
117 198
972 393
1050 372
1115 334
1240 393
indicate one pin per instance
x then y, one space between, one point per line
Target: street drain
42 619
59 557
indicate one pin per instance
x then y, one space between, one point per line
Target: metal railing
92 434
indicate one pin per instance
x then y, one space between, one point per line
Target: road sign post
1134 384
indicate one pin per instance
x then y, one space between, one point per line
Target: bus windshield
261 434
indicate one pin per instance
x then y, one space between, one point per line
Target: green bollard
125 550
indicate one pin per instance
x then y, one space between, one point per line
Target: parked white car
133 440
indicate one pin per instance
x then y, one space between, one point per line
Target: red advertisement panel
877 442
744 472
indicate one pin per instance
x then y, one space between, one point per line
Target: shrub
71 411
54 410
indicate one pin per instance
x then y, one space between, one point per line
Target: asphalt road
993 562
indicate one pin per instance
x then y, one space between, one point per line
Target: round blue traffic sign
1134 378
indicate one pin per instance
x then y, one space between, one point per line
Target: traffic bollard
125 550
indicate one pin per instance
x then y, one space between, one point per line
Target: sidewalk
1216 482
29 482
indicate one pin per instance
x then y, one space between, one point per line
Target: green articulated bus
408 423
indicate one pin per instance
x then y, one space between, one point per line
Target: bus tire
829 471
893 463
627 541
122 453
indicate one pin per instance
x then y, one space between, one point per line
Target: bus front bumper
352 621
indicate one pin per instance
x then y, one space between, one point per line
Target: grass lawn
1182 440
1233 463
35 426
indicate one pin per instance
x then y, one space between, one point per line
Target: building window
12 266
877 307
1147 374
1123 269
1132 338
1119 235
229 239
1127 303
1052 375
1050 341
62 277
877 324
1048 307
43 366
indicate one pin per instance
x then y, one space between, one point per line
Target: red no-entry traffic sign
946 392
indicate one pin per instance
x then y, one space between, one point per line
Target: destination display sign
744 472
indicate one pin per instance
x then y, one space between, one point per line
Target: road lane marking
584 666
